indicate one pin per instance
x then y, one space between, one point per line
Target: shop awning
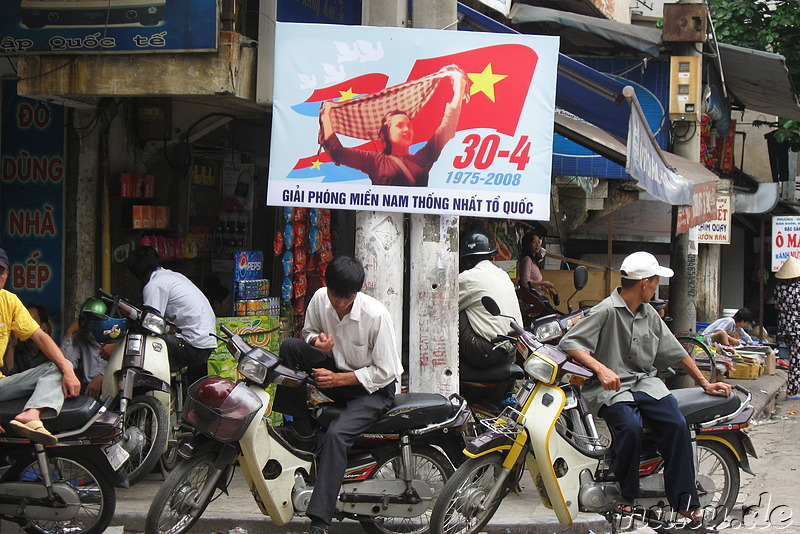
759 81
599 35
703 181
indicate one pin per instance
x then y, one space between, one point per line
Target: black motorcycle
67 487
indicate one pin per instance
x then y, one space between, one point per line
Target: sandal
34 431
623 506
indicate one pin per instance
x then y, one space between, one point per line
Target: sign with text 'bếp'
413 121
785 239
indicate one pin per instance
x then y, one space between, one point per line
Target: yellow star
316 164
347 95
484 82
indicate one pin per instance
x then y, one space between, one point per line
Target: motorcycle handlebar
225 330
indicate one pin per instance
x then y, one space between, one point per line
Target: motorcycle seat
74 414
699 407
495 373
410 410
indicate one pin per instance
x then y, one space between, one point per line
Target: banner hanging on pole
412 120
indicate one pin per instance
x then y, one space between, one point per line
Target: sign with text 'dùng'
412 120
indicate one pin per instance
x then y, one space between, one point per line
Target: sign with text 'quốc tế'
81 26
413 121
785 239
718 231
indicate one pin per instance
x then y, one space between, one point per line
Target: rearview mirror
490 305
580 277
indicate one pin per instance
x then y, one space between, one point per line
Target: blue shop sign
80 26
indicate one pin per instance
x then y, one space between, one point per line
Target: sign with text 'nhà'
412 120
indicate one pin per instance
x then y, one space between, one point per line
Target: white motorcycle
138 377
394 471
549 432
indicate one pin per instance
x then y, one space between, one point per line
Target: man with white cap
44 386
625 343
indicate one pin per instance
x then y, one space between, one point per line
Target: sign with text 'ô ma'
412 120
785 239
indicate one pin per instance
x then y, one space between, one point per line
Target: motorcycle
395 468
549 432
487 389
138 377
67 487
546 322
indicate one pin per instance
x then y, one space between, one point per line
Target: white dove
345 53
370 52
333 74
307 81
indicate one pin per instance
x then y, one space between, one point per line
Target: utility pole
380 236
433 318
683 258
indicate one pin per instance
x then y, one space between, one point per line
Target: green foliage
770 26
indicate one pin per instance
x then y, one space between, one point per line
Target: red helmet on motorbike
213 390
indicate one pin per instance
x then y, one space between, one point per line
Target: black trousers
477 351
664 419
361 409
181 354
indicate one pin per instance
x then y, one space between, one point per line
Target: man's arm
717 388
608 378
69 383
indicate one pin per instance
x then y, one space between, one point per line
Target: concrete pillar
708 278
433 318
380 236
80 215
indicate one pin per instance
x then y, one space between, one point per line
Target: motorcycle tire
145 429
459 508
93 484
172 510
717 462
430 466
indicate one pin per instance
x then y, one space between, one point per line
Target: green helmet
93 306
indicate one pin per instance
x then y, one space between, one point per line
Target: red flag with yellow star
499 79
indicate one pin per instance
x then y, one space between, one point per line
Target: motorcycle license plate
116 455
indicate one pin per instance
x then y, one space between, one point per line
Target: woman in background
787 302
530 263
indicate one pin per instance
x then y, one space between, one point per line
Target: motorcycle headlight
548 331
541 369
253 369
154 323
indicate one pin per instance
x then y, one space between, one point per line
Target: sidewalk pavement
519 514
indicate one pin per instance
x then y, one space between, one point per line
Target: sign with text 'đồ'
412 120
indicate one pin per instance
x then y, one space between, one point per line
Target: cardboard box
770 363
161 217
745 371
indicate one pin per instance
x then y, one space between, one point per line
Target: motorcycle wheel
716 461
460 507
145 436
428 465
98 499
173 510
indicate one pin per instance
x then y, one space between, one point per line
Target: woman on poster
395 165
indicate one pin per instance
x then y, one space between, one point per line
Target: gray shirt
84 354
635 346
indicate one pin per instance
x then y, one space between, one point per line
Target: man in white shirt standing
479 277
182 303
349 348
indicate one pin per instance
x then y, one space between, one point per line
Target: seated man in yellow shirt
46 385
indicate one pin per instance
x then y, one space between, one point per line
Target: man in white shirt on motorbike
349 348
181 302
625 342
479 277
